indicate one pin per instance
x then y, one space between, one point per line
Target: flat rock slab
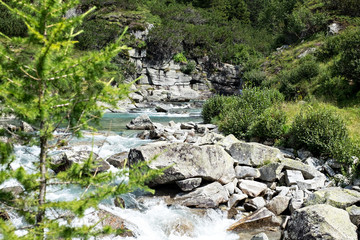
337 197
209 196
252 188
278 204
184 160
254 154
259 219
321 222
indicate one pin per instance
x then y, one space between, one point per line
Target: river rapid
149 218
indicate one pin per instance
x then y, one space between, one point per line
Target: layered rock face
179 82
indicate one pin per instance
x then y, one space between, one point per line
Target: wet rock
181 227
271 172
320 222
354 213
186 161
142 122
63 161
235 199
254 154
161 109
337 197
260 236
252 188
4 215
209 196
292 177
118 160
187 126
278 204
115 222
189 184
244 171
259 219
232 213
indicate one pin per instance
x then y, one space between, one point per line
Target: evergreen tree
42 83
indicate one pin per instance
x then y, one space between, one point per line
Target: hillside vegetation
301 81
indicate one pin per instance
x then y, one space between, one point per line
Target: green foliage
348 7
269 125
322 132
57 88
254 77
235 114
180 58
10 24
213 107
189 68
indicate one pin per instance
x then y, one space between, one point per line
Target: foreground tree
43 84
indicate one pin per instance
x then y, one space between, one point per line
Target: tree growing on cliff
44 84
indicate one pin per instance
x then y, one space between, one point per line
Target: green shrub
254 77
180 58
10 24
240 112
212 107
322 132
189 67
270 125
347 7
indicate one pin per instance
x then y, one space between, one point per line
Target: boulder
244 171
113 221
259 219
209 196
254 154
118 160
292 177
308 172
235 199
271 172
278 204
184 160
228 141
252 188
260 236
354 213
337 197
230 187
25 127
254 204
142 122
209 139
320 222
64 160
189 184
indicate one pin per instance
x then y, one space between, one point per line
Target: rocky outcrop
142 122
183 161
320 222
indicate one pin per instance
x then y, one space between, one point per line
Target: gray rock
316 183
334 164
209 196
295 204
329 170
354 213
189 184
278 204
271 172
254 204
314 162
260 236
63 161
334 28
187 126
118 160
186 161
304 154
308 172
293 176
230 187
161 109
254 154
244 171
235 199
252 188
261 218
142 122
320 222
25 127
337 197
209 139
228 141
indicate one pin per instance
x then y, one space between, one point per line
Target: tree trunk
43 171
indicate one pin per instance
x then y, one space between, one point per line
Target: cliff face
174 82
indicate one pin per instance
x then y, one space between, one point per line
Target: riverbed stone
259 219
189 184
278 204
271 172
334 196
245 171
209 196
185 160
320 221
254 154
118 160
254 204
252 188
235 199
142 122
111 220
